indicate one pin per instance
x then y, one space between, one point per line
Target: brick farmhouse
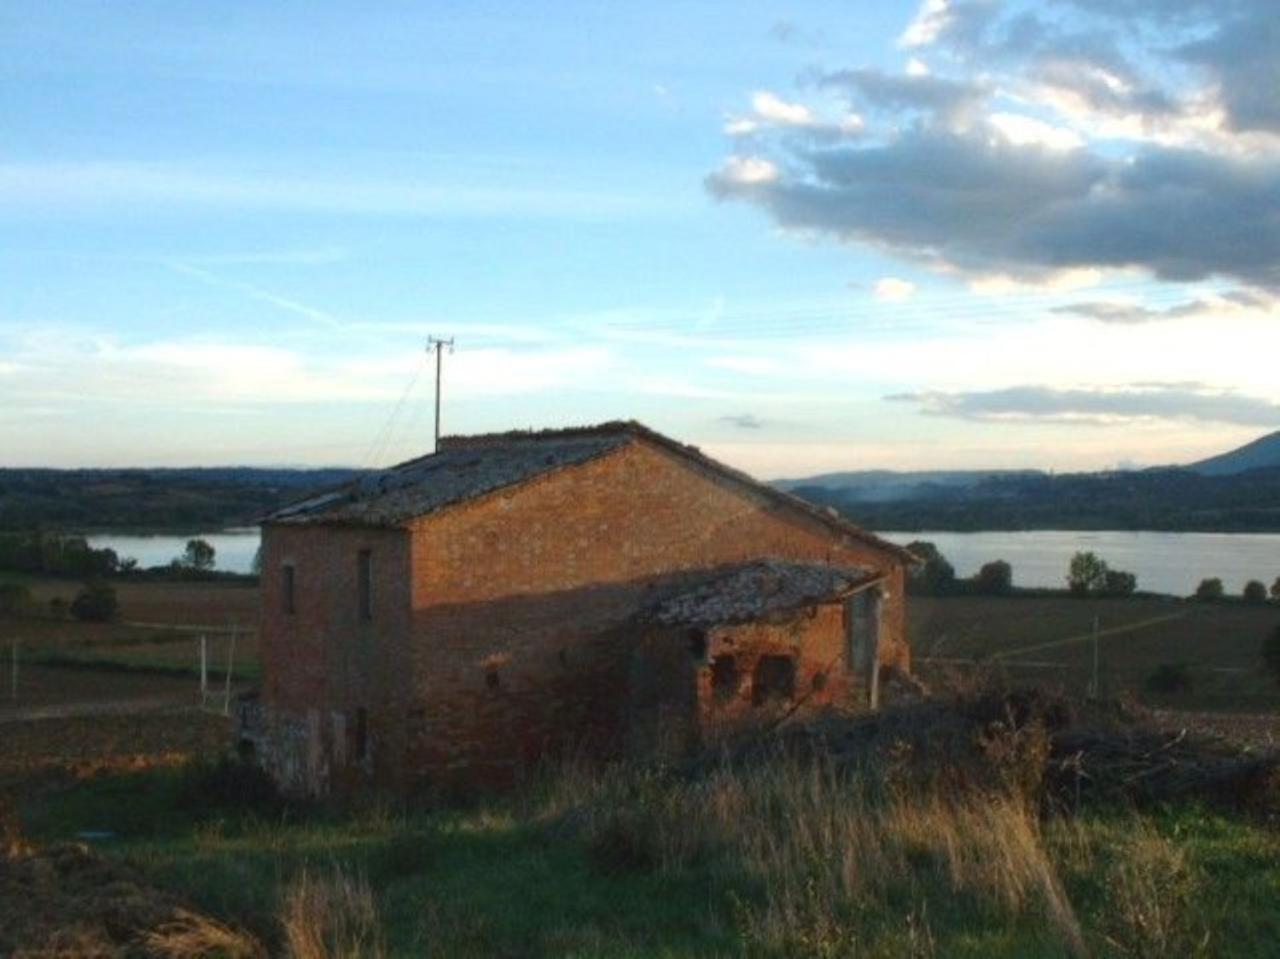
448 622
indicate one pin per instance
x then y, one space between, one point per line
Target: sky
804 237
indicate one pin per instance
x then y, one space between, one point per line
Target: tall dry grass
827 849
331 916
189 935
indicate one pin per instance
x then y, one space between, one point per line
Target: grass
1220 643
778 859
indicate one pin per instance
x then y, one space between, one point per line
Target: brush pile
1059 752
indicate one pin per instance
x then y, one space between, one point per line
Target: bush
1275 590
935 576
1170 678
1118 583
15 600
1271 653
1210 590
1254 592
95 603
227 784
994 578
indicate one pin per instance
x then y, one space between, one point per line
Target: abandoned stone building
449 621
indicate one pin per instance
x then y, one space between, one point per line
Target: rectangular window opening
364 583
287 589
362 734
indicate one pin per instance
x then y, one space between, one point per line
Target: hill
887 486
1262 453
188 499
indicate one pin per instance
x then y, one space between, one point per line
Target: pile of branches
1057 751
1146 766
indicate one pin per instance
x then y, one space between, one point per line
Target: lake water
233 548
1163 562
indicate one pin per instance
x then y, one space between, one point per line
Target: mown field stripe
1085 637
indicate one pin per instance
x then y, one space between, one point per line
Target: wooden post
1094 691
231 662
204 669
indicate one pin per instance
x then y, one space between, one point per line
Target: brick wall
324 663
513 597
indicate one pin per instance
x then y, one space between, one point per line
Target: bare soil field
1048 640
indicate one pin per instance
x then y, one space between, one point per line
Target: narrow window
287 588
362 734
364 583
724 678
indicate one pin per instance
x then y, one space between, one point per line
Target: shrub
1210 590
227 784
1254 592
1170 678
1118 583
1275 590
1271 653
95 603
936 575
994 578
15 600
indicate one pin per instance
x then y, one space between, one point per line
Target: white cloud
1023 130
769 106
929 22
754 365
748 171
891 289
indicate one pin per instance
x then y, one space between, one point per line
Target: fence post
231 662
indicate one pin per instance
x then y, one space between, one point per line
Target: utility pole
439 344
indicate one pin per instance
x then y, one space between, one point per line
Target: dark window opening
774 679
724 678
286 588
364 583
247 751
362 734
491 679
697 643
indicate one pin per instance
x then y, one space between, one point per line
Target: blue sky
805 237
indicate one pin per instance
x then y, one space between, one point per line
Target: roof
468 467
760 590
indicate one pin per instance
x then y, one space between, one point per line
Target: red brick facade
499 624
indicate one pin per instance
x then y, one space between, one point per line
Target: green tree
935 575
1210 590
1086 574
198 555
1275 590
95 603
1118 583
1271 653
1254 592
994 578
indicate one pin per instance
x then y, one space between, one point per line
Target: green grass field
775 861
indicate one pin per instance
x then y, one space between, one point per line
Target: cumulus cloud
1139 401
1073 136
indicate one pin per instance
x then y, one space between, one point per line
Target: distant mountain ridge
1262 453
1237 491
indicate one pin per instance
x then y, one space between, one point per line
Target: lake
233 548
1163 562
